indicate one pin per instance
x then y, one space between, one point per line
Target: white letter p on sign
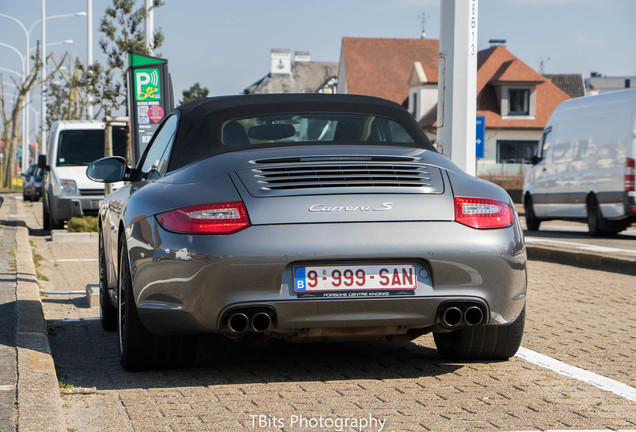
143 78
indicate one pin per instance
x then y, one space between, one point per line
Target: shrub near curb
82 224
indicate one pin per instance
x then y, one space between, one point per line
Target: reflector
630 175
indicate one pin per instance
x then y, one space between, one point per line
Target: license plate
354 278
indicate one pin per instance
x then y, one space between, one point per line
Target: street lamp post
89 48
25 115
25 60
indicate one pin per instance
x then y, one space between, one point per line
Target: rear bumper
65 207
253 268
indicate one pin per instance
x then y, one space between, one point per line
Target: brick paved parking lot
581 317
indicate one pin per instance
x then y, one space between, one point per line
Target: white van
584 168
73 145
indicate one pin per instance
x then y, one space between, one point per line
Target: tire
46 217
138 348
532 221
488 342
596 223
107 312
55 224
48 222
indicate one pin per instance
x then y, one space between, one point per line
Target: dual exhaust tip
239 323
453 317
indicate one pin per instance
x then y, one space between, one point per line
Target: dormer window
518 102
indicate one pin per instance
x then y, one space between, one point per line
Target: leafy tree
123 31
195 92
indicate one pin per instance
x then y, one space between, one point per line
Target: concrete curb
577 258
39 401
65 236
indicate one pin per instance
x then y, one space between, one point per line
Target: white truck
73 145
585 166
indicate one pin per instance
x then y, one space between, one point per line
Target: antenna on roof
423 16
542 62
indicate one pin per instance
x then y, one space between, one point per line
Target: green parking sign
147 85
150 99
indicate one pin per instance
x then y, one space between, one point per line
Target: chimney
301 56
497 42
280 62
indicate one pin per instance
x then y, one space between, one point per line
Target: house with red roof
381 67
514 100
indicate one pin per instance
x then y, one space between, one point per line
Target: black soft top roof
200 122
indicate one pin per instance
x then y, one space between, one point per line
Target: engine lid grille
327 175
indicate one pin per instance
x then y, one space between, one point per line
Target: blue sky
225 44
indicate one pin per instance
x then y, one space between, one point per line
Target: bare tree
23 87
6 126
68 100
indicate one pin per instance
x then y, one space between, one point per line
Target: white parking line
580 246
607 384
76 260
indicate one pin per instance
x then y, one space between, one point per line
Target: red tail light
630 175
483 213
220 218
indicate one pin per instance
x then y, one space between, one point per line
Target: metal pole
89 48
43 88
150 23
27 97
457 107
108 149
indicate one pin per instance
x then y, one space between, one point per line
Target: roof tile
381 67
498 65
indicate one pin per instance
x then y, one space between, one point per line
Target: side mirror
107 170
536 159
42 163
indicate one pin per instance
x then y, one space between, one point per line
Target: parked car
73 145
304 217
32 183
585 167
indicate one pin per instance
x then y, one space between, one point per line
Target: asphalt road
575 371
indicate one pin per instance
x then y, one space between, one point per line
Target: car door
540 178
153 165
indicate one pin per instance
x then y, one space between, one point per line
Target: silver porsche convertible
301 218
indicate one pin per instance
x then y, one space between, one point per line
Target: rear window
81 147
312 127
